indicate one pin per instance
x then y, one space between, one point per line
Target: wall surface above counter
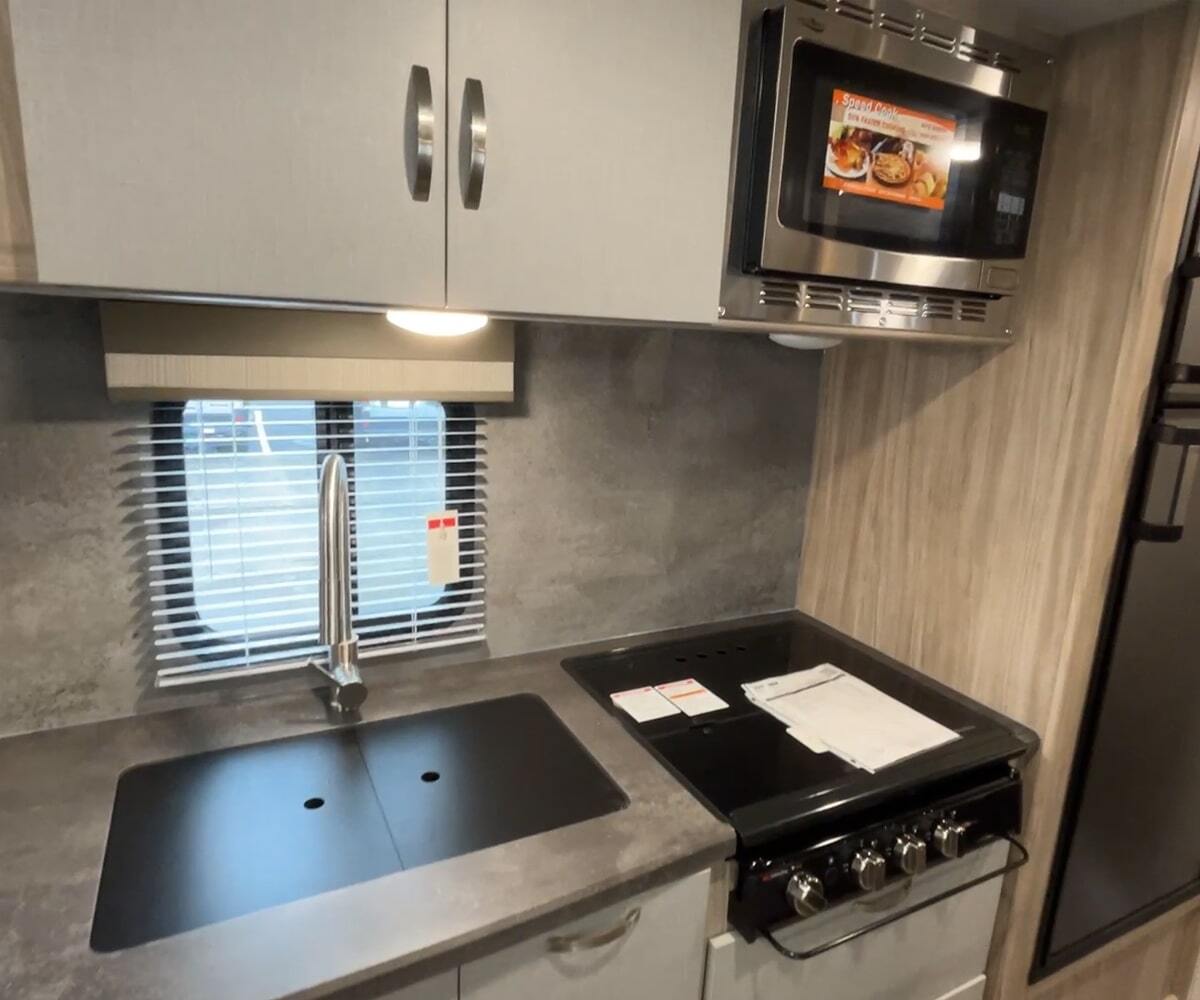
642 479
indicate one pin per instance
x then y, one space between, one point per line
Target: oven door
880 158
935 953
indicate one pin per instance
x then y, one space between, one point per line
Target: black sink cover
205 838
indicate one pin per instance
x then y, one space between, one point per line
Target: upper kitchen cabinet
590 156
274 148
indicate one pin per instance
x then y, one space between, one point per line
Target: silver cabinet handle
472 144
418 133
589 942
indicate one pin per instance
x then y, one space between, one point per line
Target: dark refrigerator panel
1131 844
1189 334
1182 379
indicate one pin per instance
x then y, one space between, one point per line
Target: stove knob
909 851
870 870
947 838
806 894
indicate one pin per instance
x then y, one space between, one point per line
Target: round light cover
435 322
805 341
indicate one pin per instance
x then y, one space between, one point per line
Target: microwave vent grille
859 300
896 26
975 53
938 307
823 297
973 310
855 11
902 304
779 293
864 12
936 40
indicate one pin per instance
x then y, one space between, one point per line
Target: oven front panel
870 171
935 953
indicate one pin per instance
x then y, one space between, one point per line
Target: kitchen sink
204 838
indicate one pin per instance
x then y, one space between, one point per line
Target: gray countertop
56 794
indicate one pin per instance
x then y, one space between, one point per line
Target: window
230 497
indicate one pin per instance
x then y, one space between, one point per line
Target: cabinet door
660 956
608 129
233 147
443 987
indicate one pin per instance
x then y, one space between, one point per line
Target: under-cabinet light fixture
436 323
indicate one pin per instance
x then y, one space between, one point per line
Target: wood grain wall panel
17 260
1149 964
965 506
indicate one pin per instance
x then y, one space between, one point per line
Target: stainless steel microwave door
914 170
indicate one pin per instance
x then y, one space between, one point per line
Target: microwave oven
885 170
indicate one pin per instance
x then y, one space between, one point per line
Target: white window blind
228 494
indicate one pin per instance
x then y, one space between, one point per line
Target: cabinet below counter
649 946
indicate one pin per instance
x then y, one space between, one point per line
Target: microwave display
877 156
882 150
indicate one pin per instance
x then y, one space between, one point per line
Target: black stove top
742 763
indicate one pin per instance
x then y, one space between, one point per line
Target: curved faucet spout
336 606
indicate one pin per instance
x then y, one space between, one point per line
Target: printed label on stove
643 704
691 697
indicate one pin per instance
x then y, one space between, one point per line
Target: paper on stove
810 740
644 704
856 721
691 697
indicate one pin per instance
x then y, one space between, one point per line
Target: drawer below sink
217 835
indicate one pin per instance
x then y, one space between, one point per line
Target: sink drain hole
313 803
430 776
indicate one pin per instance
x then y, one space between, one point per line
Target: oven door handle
891 918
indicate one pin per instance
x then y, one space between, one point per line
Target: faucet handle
348 697
349 691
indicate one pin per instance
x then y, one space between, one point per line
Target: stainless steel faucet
336 625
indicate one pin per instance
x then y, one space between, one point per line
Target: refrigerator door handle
1183 482
1177 374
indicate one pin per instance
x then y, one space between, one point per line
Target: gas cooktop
794 809
742 763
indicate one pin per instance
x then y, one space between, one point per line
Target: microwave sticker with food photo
882 150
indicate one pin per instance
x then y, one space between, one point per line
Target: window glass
399 478
243 564
251 479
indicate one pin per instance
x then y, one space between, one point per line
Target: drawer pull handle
561 944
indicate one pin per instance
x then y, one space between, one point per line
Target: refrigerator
1129 844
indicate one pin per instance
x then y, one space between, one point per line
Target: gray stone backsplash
643 478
